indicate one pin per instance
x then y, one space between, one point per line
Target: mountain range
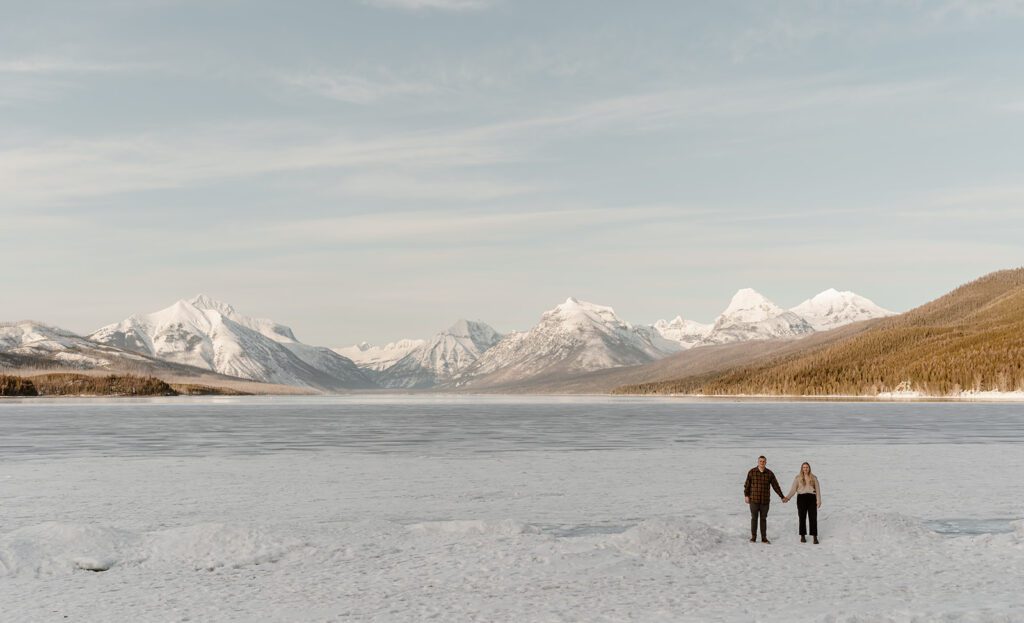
575 338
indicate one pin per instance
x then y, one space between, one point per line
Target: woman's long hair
808 477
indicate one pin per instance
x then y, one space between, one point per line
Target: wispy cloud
975 9
90 168
430 186
356 89
655 110
44 78
457 228
61 171
60 65
441 5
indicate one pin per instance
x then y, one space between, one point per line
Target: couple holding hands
757 494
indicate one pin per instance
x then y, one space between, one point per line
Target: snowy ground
909 533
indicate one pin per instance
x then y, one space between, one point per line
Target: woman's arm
817 491
792 489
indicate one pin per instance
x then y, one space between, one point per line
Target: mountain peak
574 304
202 301
832 308
749 305
747 295
460 327
574 313
481 334
832 294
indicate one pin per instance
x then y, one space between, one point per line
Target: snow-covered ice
638 516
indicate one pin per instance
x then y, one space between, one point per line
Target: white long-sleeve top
812 486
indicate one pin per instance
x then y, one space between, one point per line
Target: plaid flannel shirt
756 486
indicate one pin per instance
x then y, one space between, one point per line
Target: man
758 496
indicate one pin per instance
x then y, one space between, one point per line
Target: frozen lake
445 425
489 508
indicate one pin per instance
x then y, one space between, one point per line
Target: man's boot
753 539
766 541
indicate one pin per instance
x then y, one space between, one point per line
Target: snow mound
473 527
667 538
995 614
869 528
209 546
1018 531
55 548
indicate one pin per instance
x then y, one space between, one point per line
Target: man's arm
775 485
746 487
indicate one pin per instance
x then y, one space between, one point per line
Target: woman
808 500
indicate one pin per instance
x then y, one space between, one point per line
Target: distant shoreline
914 397
72 384
1008 398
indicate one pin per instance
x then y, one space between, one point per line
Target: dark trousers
758 511
807 505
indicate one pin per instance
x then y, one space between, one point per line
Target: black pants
807 505
758 511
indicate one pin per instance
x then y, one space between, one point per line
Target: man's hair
762 457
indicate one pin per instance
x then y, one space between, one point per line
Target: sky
376 169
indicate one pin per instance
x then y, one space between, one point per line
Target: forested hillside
969 339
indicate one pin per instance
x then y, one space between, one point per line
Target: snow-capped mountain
320 357
47 344
209 334
751 316
575 336
832 308
379 358
687 333
442 357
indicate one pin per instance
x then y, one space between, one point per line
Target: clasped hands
786 499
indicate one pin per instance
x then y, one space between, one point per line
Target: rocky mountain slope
30 342
379 358
687 333
751 316
575 336
34 347
441 358
211 335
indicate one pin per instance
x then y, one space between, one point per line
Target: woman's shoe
815 540
803 539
